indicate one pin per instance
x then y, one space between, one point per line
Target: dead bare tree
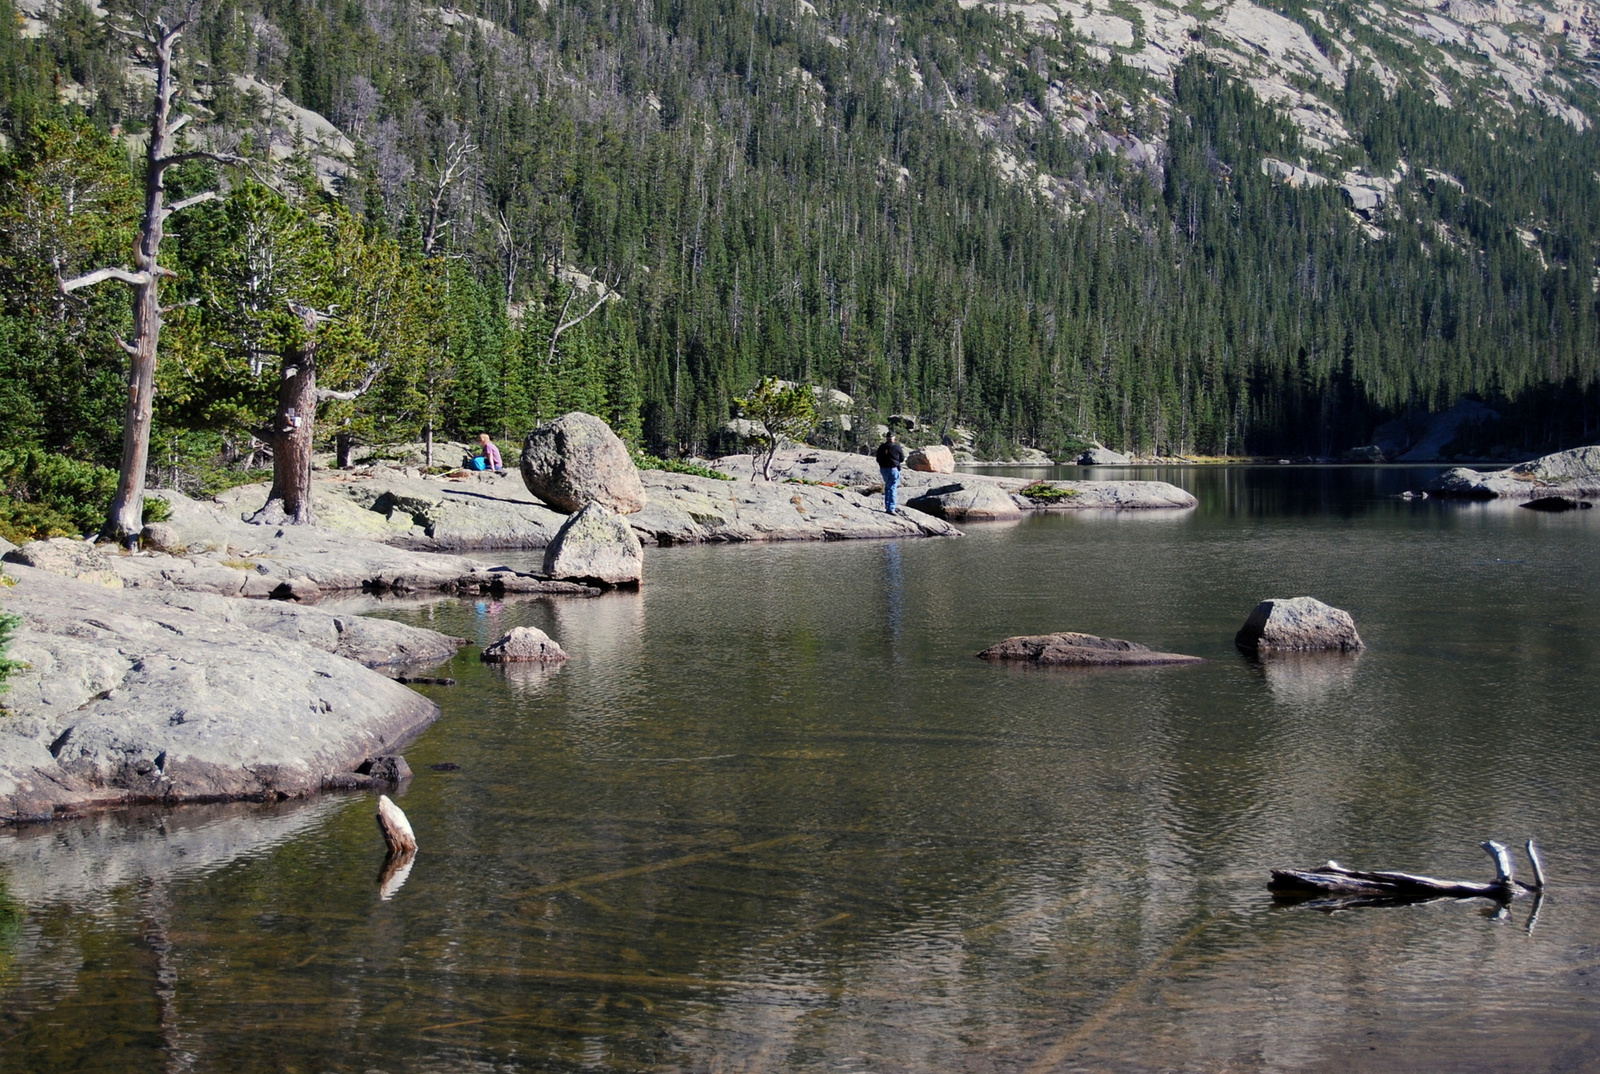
125 518
294 424
450 169
607 293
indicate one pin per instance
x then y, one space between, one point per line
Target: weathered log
1538 864
1335 879
395 827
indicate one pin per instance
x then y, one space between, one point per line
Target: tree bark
289 502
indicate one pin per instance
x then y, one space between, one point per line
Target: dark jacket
891 455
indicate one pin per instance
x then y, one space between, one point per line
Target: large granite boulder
1101 456
523 645
577 460
932 459
1071 649
974 501
596 545
1299 623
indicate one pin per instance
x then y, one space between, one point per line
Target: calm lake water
774 816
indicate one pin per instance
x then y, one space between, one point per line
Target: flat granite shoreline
153 677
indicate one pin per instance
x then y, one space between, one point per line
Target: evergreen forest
848 194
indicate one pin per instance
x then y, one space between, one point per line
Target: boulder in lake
524 645
595 545
1573 473
933 459
975 501
1298 623
577 460
1100 456
1071 649
1555 503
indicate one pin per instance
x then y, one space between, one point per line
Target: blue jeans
891 481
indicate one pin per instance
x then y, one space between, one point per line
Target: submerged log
1335 879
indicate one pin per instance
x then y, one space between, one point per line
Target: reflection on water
773 815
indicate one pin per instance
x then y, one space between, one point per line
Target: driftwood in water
395 827
1334 879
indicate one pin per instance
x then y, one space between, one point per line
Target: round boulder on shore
1102 456
1071 649
523 645
1298 624
577 460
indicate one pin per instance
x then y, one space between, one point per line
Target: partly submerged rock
1298 623
1574 473
1070 649
577 460
932 459
596 545
1555 503
967 501
523 645
1101 456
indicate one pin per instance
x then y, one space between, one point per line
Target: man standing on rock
891 456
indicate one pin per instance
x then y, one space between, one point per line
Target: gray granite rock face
1071 649
967 501
127 699
1574 473
577 460
1297 624
523 645
598 546
1101 456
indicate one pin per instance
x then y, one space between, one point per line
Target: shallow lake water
775 816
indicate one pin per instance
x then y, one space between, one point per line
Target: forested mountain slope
1216 228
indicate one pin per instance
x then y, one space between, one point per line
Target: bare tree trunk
290 433
125 518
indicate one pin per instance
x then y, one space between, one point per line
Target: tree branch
324 394
99 275
178 206
201 154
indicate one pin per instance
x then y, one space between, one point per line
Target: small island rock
932 459
596 545
1071 649
577 460
1298 623
524 645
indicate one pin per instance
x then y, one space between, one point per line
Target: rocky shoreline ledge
153 678
139 696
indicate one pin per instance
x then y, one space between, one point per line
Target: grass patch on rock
1044 492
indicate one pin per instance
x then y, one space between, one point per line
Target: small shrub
646 461
48 495
1044 492
8 627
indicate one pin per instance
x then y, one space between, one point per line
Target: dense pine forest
859 196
